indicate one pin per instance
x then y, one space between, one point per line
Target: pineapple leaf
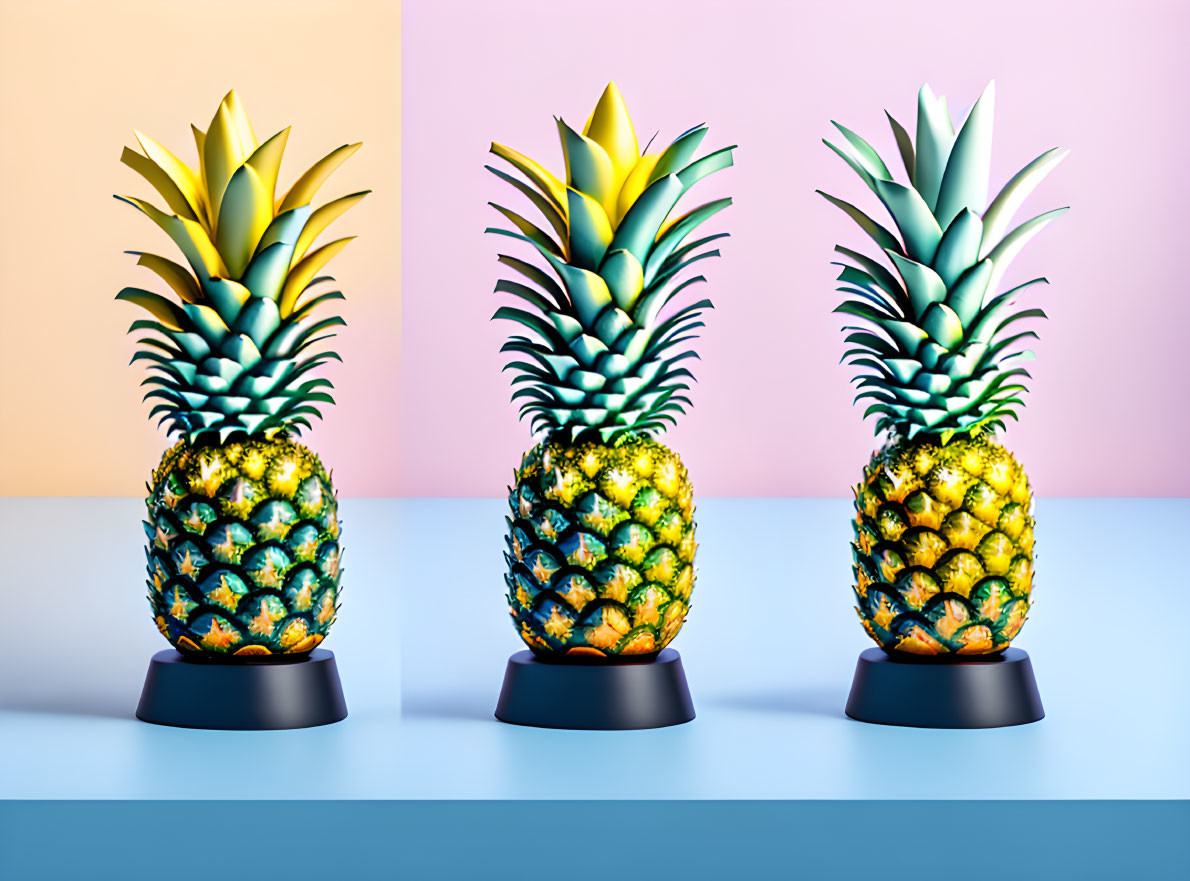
638 230
177 171
959 246
324 217
707 165
537 235
598 360
919 229
538 277
904 146
227 298
881 236
855 164
536 324
677 155
161 308
526 293
624 277
315 176
942 325
924 286
161 182
1004 207
245 212
174 275
965 180
590 231
935 135
588 167
966 297
302 274
667 243
549 185
878 275
1003 254
868 157
547 208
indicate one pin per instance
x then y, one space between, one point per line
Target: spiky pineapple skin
943 549
243 553
600 548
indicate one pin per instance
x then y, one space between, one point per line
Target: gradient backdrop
772 412
75 80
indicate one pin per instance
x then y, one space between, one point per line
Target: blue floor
769 650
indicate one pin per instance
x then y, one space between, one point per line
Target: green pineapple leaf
935 349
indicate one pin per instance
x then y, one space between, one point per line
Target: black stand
248 696
594 694
974 692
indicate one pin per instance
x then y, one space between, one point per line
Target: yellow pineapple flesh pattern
943 549
600 548
244 553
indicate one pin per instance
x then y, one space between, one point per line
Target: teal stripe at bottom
571 840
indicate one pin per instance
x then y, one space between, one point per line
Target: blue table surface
769 650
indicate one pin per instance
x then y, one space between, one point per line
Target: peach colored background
75 80
772 412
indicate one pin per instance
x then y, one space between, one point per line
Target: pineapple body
943 549
600 548
243 553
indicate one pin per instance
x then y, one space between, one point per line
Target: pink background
772 412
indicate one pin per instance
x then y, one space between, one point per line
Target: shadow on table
476 708
826 702
106 706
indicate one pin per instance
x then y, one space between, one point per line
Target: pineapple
601 533
243 531
943 549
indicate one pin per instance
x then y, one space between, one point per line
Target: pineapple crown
602 360
944 361
234 353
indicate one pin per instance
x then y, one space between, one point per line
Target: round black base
252 696
595 695
929 693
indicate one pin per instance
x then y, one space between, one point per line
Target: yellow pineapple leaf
222 154
540 202
635 184
200 140
174 275
160 181
533 232
302 274
322 218
242 124
307 185
183 177
541 178
189 236
611 127
266 160
244 215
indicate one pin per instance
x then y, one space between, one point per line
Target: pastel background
772 412
75 80
423 408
